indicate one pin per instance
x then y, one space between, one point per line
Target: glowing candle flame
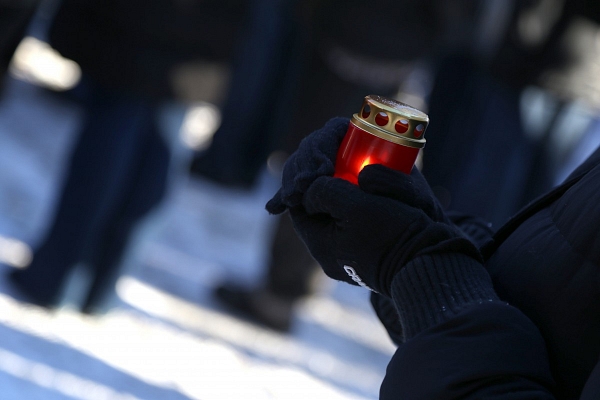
366 162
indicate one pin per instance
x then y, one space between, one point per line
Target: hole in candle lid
381 119
366 111
419 130
401 126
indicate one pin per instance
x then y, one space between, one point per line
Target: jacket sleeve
474 228
462 342
489 351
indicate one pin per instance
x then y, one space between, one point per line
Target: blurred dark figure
118 167
256 110
262 95
15 16
481 107
324 58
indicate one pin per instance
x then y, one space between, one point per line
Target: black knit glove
315 157
365 235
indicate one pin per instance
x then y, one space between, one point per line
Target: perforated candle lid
392 120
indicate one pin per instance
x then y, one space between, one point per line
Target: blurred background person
119 164
328 56
512 106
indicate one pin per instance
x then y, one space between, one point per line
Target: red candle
385 132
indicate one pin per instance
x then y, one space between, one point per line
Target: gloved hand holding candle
384 132
364 228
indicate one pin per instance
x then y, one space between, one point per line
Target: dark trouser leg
292 266
261 94
145 191
99 171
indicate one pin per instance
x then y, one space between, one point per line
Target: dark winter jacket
134 44
543 341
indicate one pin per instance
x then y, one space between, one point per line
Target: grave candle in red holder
386 132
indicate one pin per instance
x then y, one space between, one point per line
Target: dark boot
259 306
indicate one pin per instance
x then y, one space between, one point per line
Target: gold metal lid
392 120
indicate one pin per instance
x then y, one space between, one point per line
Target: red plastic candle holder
385 132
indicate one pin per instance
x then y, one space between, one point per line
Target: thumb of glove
412 190
275 205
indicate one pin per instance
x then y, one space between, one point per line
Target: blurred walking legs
117 173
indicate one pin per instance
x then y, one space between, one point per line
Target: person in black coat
475 314
508 316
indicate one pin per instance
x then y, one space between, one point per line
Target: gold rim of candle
395 112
